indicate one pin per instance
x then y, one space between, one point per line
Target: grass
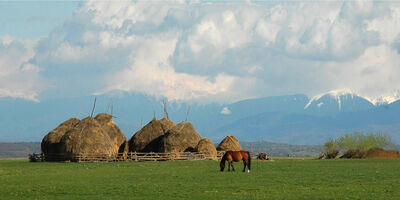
281 179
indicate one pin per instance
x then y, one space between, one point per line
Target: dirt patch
381 153
372 153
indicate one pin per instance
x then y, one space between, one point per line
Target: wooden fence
130 156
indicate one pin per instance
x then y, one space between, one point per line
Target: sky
198 51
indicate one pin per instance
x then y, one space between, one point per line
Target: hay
51 142
117 137
229 143
87 137
263 156
205 145
182 137
148 138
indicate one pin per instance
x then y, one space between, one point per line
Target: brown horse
236 156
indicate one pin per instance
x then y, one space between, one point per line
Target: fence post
136 158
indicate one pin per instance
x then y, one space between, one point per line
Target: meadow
279 179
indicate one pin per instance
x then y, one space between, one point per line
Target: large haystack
148 138
229 143
51 142
117 137
182 137
87 138
207 147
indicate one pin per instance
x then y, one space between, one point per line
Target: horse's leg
244 165
233 169
229 166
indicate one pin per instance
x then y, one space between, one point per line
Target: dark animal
236 156
263 156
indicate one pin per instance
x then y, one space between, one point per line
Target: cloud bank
210 51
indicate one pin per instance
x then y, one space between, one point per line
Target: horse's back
237 155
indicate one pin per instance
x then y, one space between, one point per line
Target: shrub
356 145
331 149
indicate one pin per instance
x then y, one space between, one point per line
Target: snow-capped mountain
387 99
338 101
295 119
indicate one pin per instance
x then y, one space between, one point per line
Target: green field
281 179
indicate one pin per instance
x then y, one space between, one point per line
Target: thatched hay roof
148 138
117 137
229 143
166 124
180 138
51 142
87 137
205 145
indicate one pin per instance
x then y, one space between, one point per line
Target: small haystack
229 143
117 137
263 156
205 145
149 137
51 146
182 137
87 137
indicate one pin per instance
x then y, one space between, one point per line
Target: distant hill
282 150
18 149
290 119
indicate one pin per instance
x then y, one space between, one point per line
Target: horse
236 156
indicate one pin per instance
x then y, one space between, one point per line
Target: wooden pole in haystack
165 109
94 106
187 113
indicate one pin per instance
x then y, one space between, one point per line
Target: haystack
87 138
229 143
207 147
182 137
51 146
118 139
148 138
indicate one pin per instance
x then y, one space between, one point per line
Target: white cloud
212 52
372 74
155 76
18 78
226 111
387 26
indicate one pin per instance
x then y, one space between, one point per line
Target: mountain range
292 119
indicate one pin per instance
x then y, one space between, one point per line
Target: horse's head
222 165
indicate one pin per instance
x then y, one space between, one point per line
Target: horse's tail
249 164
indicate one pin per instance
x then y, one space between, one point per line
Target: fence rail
130 156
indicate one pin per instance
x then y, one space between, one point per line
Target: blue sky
33 19
197 51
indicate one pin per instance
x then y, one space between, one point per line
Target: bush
355 145
331 149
